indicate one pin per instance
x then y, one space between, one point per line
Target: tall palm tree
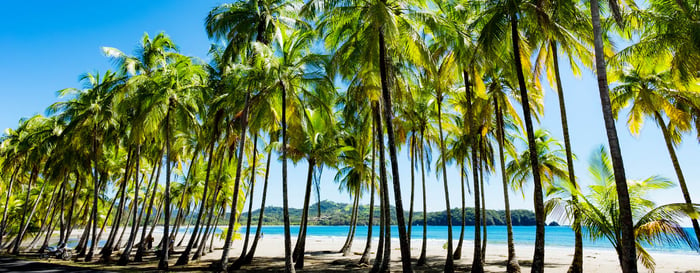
651 90
562 25
628 255
598 211
498 18
90 112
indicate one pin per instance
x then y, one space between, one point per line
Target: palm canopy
550 156
599 213
651 89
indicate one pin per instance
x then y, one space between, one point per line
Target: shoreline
322 254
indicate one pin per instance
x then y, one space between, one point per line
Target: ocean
561 236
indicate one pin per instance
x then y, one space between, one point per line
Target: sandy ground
322 256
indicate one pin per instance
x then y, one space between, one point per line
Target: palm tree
650 90
628 255
563 24
90 112
443 76
499 16
598 211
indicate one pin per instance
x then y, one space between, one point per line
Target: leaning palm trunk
383 259
142 247
190 173
237 183
23 231
677 168
577 262
368 244
449 263
353 225
477 263
50 210
412 155
71 209
458 250
109 245
18 239
52 227
124 258
389 117
628 257
484 215
213 201
299 248
185 256
288 262
7 202
251 184
512 265
424 245
258 230
95 193
163 263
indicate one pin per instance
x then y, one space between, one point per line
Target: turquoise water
562 236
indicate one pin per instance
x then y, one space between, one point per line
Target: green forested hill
333 213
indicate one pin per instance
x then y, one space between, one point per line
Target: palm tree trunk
383 258
258 230
50 210
7 203
368 244
25 225
458 250
159 212
512 265
185 256
109 245
412 151
477 262
52 227
298 252
538 257
189 223
288 262
109 213
353 224
484 215
190 173
76 195
237 184
163 263
424 245
677 168
18 239
95 193
449 263
352 219
577 262
124 258
389 117
251 184
132 206
142 247
217 189
629 256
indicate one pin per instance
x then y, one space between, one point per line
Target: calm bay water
562 236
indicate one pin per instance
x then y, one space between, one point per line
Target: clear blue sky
46 45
